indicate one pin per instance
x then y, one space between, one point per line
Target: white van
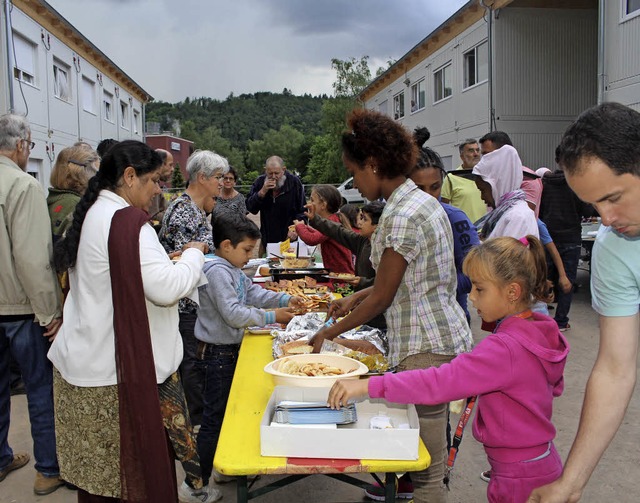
350 194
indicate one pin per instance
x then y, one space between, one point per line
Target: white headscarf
502 169
542 171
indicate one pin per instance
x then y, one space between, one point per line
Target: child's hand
565 284
296 301
284 315
311 211
344 389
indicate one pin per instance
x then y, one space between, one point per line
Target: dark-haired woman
412 252
229 201
428 175
118 350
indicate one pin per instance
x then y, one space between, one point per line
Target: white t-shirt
84 349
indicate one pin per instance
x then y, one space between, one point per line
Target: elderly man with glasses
30 311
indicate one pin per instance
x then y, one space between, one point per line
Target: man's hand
556 492
269 184
341 307
564 284
51 330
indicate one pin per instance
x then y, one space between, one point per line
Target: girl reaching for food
325 202
517 370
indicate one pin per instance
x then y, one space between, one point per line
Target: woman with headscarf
499 177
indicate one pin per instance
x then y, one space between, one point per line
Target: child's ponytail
541 287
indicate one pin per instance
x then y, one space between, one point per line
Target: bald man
167 165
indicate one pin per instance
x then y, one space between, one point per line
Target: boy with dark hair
226 307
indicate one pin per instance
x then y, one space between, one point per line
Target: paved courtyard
617 477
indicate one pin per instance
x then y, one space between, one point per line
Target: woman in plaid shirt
412 252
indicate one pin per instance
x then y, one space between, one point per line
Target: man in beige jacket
30 311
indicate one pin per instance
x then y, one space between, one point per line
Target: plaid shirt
424 316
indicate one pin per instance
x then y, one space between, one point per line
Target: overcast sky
175 49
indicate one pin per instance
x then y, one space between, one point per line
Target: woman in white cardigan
118 350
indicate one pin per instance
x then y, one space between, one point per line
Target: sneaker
205 495
565 328
221 478
19 460
486 475
46 485
404 490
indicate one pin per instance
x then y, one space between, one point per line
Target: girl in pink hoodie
516 371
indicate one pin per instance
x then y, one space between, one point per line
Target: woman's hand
344 389
203 247
292 234
319 337
175 254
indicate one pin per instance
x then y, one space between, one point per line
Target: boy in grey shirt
229 303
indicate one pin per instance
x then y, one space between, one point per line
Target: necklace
523 315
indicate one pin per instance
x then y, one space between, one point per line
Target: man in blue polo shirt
600 154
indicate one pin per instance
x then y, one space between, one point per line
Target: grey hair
13 128
207 163
468 141
274 160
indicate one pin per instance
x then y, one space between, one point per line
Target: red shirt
335 257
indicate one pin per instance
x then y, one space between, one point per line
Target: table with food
279 393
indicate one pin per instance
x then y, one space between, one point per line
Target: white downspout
9 35
488 12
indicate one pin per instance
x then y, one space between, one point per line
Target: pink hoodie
517 371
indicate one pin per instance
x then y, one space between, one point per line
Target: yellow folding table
238 451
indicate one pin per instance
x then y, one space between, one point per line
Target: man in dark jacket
563 211
279 197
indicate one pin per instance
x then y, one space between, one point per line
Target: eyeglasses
229 179
30 143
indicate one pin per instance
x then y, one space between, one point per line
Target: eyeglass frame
30 143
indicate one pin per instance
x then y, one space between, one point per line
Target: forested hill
241 118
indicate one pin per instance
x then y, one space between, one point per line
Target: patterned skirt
88 434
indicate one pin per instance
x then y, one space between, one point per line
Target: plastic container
353 369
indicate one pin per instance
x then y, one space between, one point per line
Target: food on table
341 275
264 270
288 366
296 262
296 348
314 297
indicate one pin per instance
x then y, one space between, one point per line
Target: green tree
285 142
177 180
352 76
212 139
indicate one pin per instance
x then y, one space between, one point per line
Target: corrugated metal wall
622 56
545 74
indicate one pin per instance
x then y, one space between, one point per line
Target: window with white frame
88 95
476 65
442 83
136 122
25 64
124 115
107 105
398 105
418 96
61 80
632 6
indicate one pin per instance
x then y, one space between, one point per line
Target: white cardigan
84 349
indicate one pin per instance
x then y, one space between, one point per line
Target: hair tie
524 241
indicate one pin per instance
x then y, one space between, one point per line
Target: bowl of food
314 370
296 262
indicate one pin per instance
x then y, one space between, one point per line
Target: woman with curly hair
412 252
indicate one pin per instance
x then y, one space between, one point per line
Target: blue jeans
25 342
570 255
218 364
